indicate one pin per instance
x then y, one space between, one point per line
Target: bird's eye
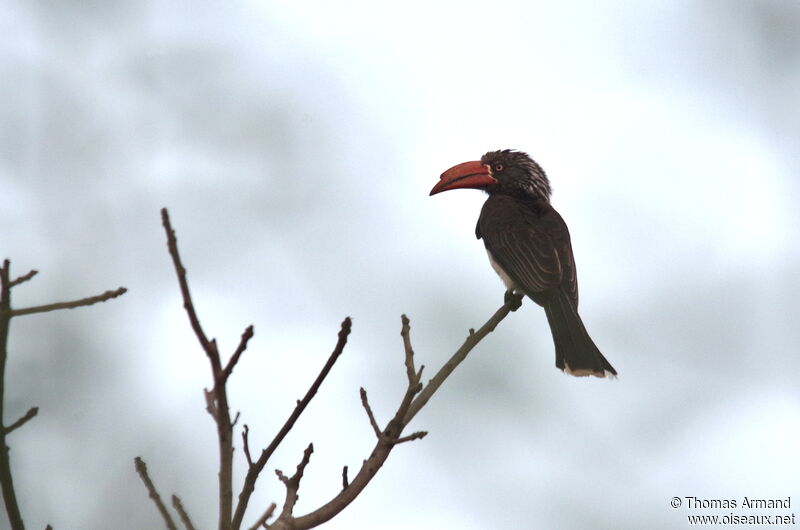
499 167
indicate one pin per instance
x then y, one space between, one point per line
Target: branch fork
293 484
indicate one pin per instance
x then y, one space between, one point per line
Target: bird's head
508 171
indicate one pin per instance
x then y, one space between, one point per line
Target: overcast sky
295 144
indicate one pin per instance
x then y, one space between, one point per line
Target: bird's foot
514 299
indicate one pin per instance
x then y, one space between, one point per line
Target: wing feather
530 241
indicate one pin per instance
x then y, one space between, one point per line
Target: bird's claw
515 300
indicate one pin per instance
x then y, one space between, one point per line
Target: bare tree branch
141 468
415 397
108 295
23 420
255 469
178 505
6 314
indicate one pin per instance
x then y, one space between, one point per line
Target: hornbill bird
529 248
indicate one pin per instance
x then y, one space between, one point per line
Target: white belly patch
510 285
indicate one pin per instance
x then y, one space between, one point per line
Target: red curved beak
466 175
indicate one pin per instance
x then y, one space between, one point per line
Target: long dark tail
576 353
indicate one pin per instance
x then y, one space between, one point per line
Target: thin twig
262 521
246 336
254 470
141 468
345 481
178 505
180 270
23 420
24 278
108 295
412 374
414 377
246 444
411 437
365 404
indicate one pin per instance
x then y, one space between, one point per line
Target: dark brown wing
530 241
